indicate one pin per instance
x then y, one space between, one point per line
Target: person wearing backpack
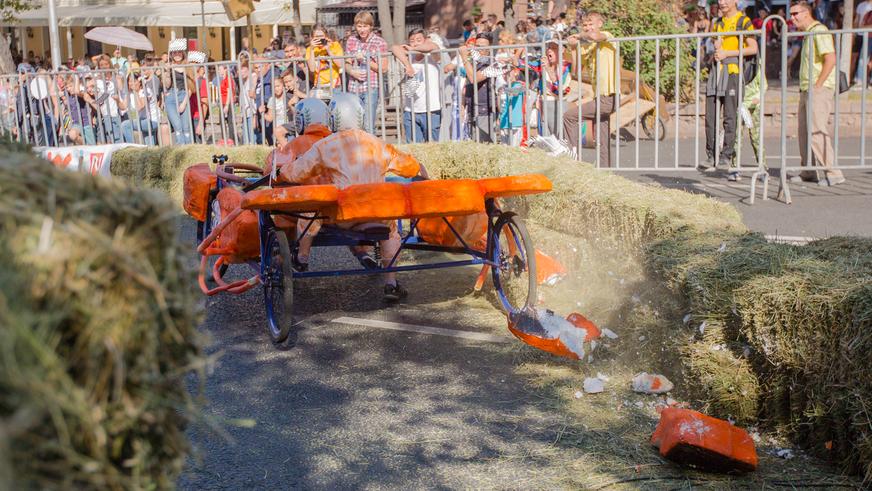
723 82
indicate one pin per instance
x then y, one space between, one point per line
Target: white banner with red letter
93 159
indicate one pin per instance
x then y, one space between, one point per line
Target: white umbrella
120 36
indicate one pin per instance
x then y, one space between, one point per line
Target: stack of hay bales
97 332
791 339
163 167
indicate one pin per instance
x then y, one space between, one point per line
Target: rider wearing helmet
352 156
310 121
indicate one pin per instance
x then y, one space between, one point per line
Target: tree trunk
385 21
847 40
557 8
7 66
509 15
399 21
298 22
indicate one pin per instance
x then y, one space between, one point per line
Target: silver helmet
310 111
346 113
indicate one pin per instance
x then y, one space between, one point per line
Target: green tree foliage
630 18
10 8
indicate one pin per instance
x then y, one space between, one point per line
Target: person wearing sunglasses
817 84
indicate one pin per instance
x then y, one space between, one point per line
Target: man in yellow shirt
817 84
723 82
600 59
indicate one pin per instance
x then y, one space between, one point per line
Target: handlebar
226 171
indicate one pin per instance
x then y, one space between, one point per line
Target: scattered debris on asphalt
651 383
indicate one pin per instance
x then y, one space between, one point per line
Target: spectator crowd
500 85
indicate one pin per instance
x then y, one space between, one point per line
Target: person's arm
466 59
140 102
402 164
307 166
310 60
401 52
829 63
428 46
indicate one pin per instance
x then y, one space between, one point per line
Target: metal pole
54 37
202 36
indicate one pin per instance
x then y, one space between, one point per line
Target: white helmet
310 111
346 113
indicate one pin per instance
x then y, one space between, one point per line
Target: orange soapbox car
244 218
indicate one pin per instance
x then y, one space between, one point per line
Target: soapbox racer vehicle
246 218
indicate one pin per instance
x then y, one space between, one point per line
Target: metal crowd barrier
37 108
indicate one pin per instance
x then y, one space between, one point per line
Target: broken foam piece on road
549 271
545 330
691 438
650 383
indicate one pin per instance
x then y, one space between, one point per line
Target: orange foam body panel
198 181
390 201
549 345
548 270
581 321
292 198
692 438
241 239
501 187
472 228
450 197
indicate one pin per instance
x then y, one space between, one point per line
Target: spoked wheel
278 286
515 274
649 121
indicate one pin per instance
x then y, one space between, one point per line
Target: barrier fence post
637 77
617 103
677 97
699 57
656 102
865 81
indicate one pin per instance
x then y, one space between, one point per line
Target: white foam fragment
602 377
578 394
557 327
609 333
594 385
687 318
702 328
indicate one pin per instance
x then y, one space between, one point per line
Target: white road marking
438 331
791 239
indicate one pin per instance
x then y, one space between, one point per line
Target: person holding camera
325 72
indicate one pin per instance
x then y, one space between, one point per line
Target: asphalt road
815 212
351 406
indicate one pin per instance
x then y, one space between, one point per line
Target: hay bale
162 167
717 369
805 315
97 332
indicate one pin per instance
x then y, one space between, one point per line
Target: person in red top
201 92
228 95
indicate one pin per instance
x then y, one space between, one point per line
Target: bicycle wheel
278 286
648 122
515 274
